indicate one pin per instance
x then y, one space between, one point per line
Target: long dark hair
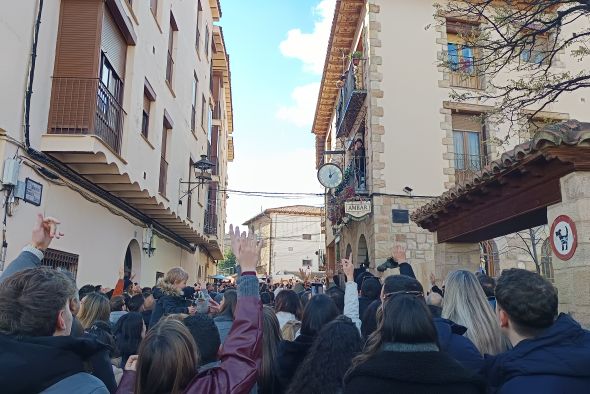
128 334
403 318
168 359
288 301
320 310
230 301
328 359
270 346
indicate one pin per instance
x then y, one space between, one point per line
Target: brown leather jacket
240 356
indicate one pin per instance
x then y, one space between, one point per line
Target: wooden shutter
113 44
467 122
61 260
78 39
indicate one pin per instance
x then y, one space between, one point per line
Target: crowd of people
356 333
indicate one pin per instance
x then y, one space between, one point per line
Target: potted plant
356 57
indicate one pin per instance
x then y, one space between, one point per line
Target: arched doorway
490 258
547 261
362 252
348 251
133 260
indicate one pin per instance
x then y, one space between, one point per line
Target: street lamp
202 170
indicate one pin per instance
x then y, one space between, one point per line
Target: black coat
412 373
167 302
32 364
289 357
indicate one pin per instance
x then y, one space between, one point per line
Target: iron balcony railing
163 180
468 166
169 68
352 96
210 223
86 106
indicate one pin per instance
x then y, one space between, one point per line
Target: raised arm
242 351
44 231
351 296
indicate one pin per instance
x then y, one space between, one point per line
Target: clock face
330 175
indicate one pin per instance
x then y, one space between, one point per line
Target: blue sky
277 49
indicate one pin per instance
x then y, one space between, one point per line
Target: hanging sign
564 238
358 209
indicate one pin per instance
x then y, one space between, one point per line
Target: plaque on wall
401 216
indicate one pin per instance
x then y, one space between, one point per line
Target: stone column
453 256
572 277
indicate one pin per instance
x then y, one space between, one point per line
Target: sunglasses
387 296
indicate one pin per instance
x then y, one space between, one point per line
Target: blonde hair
94 307
176 275
466 304
290 329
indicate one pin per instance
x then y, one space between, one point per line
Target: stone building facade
409 131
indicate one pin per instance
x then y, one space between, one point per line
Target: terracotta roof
347 15
570 133
302 210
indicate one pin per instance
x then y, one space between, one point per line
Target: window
290 249
203 111
170 59
462 56
163 158
154 7
61 260
307 237
110 79
207 41
306 263
536 50
467 141
194 105
145 117
189 199
198 37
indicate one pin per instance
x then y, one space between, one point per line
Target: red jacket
240 356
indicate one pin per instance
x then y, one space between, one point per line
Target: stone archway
348 251
362 251
490 258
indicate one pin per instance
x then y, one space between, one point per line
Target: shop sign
358 209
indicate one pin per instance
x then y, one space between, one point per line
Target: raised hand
399 254
432 279
246 249
348 268
44 231
131 364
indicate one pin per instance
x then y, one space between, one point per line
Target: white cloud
310 48
303 108
279 171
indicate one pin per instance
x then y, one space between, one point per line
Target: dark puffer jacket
459 347
289 357
557 361
34 364
412 372
168 301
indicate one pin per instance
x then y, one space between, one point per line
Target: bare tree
531 241
518 46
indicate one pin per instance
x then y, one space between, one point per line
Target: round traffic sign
564 237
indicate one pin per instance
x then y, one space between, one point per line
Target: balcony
85 106
352 97
163 179
210 223
468 166
353 185
464 73
169 68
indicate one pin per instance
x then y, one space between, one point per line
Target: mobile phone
317 288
